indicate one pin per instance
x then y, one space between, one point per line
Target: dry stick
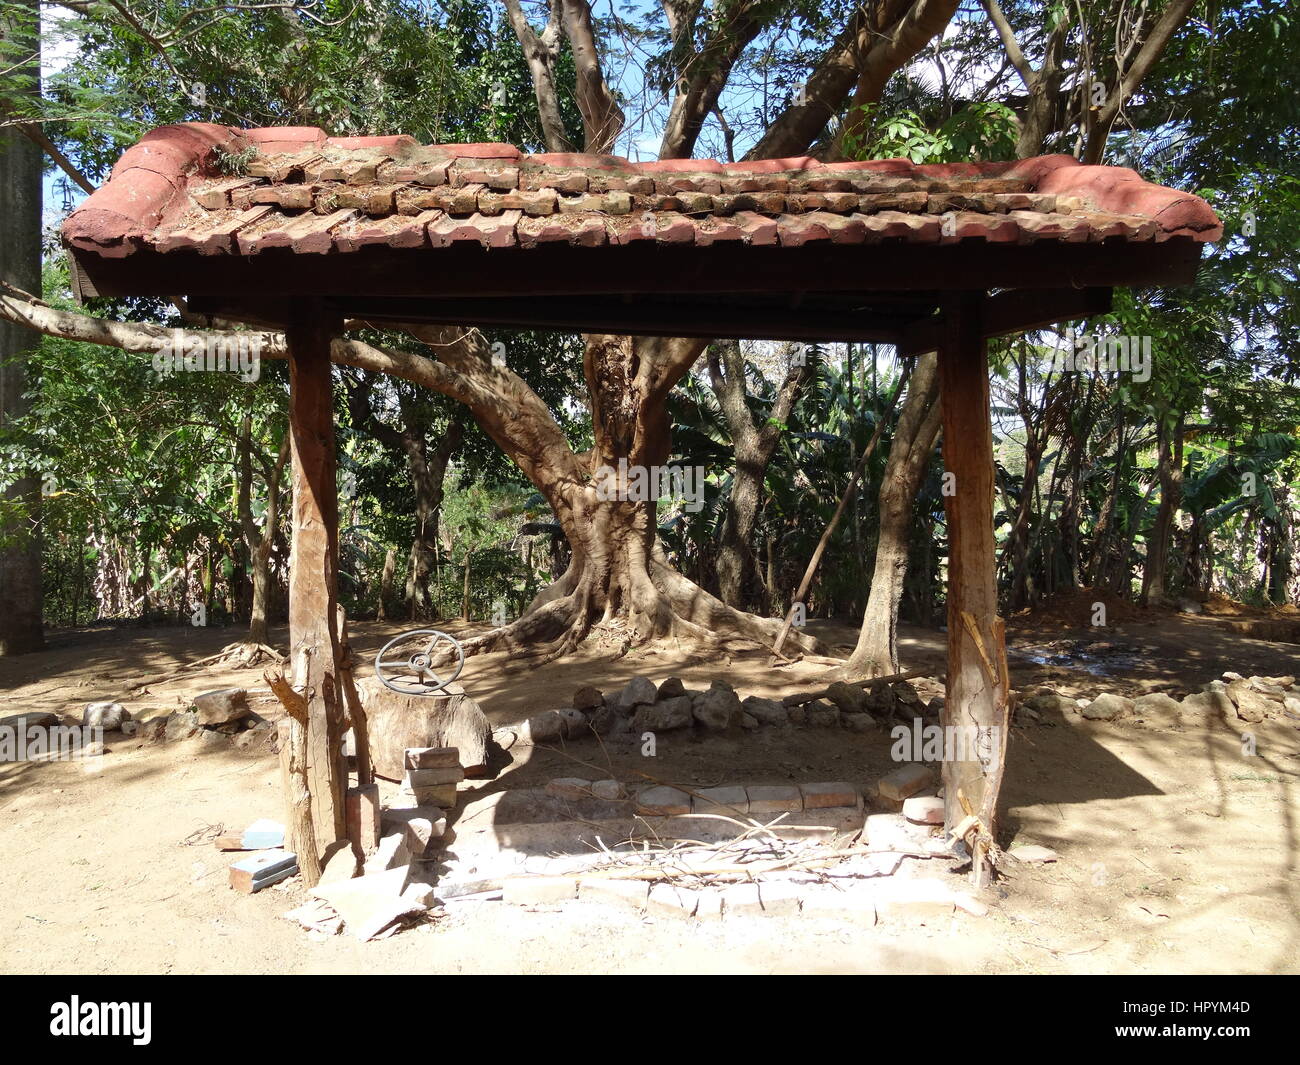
182 669
808 697
658 872
225 652
293 769
251 651
360 730
845 499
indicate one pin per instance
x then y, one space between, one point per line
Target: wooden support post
975 707
313 564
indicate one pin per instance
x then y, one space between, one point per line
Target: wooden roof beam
1011 311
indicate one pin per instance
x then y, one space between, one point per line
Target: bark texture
313 569
738 577
426 464
976 702
876 654
21 628
1170 471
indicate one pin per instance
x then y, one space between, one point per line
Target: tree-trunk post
975 707
313 565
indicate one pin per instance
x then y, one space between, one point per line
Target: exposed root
247 653
547 623
693 604
566 644
239 655
645 607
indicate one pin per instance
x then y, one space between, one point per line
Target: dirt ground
1178 852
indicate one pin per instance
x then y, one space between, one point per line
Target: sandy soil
1178 852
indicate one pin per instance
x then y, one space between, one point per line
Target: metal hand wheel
405 663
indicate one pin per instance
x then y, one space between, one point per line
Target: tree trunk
386 584
395 722
1122 576
1018 543
735 564
540 52
259 542
1170 472
1283 554
605 501
143 583
428 469
918 425
464 592
1155 35
737 571
617 571
21 625
1106 519
258 625
877 643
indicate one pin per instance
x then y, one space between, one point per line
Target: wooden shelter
291 228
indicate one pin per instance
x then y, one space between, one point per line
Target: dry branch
808 697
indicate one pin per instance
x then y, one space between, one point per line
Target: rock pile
642 706
217 717
1249 699
1234 699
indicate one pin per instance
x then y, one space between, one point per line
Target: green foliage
482 525
983 131
830 426
136 464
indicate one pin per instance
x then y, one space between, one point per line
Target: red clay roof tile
298 188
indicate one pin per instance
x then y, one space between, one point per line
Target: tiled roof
295 187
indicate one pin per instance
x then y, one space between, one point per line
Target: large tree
20 265
618 573
1062 72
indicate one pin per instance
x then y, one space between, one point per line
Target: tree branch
540 52
37 135
1009 43
602 118
702 75
1171 19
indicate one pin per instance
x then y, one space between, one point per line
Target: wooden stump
363 816
396 722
